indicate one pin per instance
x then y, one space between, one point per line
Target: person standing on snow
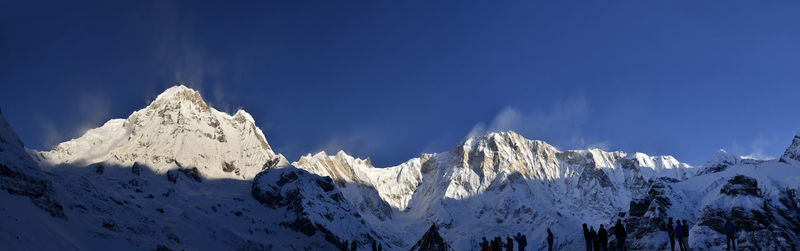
602 237
679 234
671 234
549 240
484 244
685 235
509 244
730 234
619 231
587 238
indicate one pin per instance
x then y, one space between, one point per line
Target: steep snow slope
19 174
314 206
177 130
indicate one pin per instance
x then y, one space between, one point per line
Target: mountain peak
178 93
792 153
177 129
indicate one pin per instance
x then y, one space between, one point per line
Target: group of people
353 246
497 243
679 232
598 240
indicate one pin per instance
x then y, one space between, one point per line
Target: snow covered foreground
179 174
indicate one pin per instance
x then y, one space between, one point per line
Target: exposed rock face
763 221
176 130
431 241
741 185
313 205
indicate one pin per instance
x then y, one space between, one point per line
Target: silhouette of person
730 234
522 241
619 232
602 237
484 244
685 235
586 237
671 234
679 235
549 240
380 247
509 244
593 238
374 246
343 246
353 246
498 244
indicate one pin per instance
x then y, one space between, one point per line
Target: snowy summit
177 130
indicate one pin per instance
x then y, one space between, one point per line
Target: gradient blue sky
393 79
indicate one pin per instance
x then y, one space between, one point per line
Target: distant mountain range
178 174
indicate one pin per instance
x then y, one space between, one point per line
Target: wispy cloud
761 147
561 124
184 58
93 110
50 134
354 143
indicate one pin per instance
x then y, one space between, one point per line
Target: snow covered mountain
179 174
139 207
177 130
499 182
502 183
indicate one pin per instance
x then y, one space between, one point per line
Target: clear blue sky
392 79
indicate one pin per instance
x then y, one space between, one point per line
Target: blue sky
393 79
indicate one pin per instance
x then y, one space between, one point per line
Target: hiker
602 237
522 241
586 237
380 247
484 244
671 234
353 246
619 231
374 246
730 234
593 238
679 234
343 246
509 244
549 240
685 235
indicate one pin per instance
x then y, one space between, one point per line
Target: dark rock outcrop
431 241
741 185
